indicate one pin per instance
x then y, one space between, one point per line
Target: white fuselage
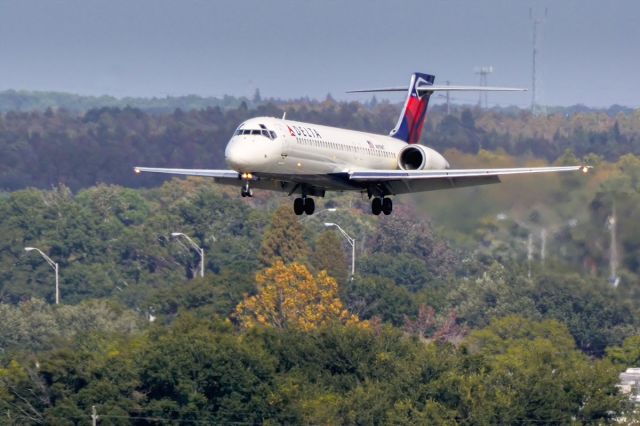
267 145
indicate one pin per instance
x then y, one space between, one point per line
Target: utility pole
614 280
529 253
483 72
94 416
543 245
536 21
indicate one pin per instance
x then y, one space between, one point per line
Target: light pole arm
51 263
193 243
351 241
196 247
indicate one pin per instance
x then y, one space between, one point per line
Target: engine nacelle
420 157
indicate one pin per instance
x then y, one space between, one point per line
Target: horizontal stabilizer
426 88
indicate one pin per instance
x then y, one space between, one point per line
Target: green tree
535 373
498 292
283 240
193 372
627 355
328 255
377 296
405 233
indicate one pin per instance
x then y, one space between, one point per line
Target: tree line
80 149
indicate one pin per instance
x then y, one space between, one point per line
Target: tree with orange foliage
289 296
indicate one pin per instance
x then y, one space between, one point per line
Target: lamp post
196 247
351 241
53 265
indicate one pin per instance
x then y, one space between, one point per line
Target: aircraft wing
218 174
392 181
225 177
406 181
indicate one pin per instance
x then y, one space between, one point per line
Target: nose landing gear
381 205
246 190
304 205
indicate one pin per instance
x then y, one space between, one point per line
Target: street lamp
196 248
330 210
351 241
51 263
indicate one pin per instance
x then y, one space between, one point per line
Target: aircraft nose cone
233 155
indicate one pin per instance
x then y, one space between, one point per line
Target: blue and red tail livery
411 121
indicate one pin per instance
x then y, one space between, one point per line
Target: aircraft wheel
298 206
309 206
376 206
387 206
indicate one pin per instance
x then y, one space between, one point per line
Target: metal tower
483 72
536 21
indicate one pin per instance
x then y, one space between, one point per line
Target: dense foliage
201 371
476 306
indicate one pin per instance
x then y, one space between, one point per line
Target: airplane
310 159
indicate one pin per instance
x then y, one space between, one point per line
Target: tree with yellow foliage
289 296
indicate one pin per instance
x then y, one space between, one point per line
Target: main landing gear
381 205
304 205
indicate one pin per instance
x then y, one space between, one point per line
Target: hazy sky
589 50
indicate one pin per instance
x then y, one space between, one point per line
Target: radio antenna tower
483 72
536 21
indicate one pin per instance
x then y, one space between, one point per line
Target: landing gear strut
246 191
304 205
381 205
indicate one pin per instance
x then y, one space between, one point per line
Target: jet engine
419 157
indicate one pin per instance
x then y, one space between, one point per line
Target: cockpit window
270 134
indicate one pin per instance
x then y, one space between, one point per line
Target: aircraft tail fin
409 125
